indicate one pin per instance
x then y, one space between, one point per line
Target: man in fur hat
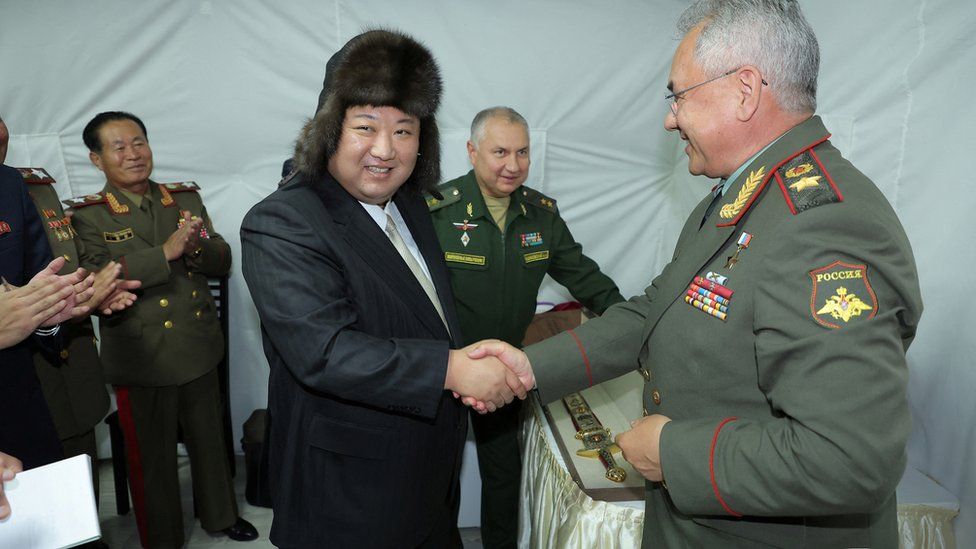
358 319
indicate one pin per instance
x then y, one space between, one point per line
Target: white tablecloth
555 513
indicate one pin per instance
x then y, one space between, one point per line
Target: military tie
146 206
414 267
711 206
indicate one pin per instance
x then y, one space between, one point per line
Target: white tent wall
225 86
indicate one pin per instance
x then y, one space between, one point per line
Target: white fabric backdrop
224 87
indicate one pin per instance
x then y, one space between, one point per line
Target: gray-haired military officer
773 344
161 354
500 238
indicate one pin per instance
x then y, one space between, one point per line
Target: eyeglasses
674 96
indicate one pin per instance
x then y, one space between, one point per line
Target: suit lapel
417 218
372 245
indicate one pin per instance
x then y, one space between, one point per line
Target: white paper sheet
51 507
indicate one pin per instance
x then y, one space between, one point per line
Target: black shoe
241 530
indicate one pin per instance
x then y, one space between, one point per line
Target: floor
119 532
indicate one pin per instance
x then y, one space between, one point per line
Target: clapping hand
184 239
44 301
110 292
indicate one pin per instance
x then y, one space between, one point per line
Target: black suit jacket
26 429
364 442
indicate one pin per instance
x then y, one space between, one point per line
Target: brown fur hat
381 68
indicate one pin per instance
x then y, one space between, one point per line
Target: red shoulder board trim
806 184
35 176
751 197
181 187
87 200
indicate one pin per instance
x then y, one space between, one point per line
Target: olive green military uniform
161 354
72 382
787 399
495 275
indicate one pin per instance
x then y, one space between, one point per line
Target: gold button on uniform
168 324
656 397
64 354
189 275
646 373
164 303
67 257
198 314
194 294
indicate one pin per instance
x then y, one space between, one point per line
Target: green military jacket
496 276
73 384
775 340
171 335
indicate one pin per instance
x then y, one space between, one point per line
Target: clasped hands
488 375
49 299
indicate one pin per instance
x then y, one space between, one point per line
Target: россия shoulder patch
842 295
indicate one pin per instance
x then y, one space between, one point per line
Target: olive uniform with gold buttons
161 354
72 382
495 275
775 341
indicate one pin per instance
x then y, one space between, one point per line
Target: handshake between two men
488 374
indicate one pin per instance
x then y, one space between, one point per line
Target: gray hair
772 35
508 114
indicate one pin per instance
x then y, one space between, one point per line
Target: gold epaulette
181 187
84 201
537 199
35 176
448 195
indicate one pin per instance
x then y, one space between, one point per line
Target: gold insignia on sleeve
118 236
811 182
843 306
797 171
113 203
733 208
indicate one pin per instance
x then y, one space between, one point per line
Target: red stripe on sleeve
711 467
586 359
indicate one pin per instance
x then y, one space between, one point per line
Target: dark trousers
500 463
149 417
84 444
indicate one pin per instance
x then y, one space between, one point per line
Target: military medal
743 243
464 227
4 227
531 239
715 277
709 296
